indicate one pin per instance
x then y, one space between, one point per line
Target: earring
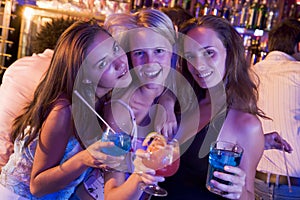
86 81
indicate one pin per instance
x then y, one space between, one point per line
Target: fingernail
216 173
161 179
147 155
212 181
226 168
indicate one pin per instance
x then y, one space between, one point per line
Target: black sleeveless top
189 181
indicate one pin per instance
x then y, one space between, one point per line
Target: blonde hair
120 23
124 25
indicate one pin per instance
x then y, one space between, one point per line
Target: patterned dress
15 175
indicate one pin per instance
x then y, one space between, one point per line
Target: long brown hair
241 89
69 53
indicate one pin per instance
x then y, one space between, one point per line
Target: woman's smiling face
151 55
205 55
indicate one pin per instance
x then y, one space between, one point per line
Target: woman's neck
100 92
147 91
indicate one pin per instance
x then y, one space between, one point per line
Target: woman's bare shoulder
246 123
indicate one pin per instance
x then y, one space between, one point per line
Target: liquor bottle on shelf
253 12
148 3
136 5
262 15
263 50
247 45
179 3
273 15
216 7
226 13
173 3
286 8
186 4
294 10
157 4
206 8
197 9
245 14
165 3
235 18
255 45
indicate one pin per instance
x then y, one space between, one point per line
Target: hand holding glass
222 154
121 140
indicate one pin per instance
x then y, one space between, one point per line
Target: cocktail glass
164 159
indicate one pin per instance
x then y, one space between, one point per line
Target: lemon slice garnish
157 141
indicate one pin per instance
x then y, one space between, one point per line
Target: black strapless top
189 181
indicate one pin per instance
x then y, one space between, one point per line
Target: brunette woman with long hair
50 158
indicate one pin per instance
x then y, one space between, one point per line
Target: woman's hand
169 128
102 160
147 175
274 141
165 119
166 123
237 178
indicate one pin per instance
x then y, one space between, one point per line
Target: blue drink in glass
221 154
121 140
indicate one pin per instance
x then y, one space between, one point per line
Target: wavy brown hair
241 89
69 54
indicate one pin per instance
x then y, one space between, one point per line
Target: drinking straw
287 171
93 110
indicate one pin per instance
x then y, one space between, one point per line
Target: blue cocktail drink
221 154
121 140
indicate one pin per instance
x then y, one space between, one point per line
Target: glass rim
234 146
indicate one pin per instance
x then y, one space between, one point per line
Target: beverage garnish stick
93 110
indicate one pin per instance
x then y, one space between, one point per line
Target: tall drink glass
221 154
121 140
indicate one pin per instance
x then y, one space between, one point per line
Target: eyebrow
153 48
99 61
114 44
204 48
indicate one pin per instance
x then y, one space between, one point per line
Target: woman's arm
48 175
253 144
118 187
165 119
245 130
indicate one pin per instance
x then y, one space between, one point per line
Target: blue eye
138 53
189 57
102 64
116 48
209 53
159 51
